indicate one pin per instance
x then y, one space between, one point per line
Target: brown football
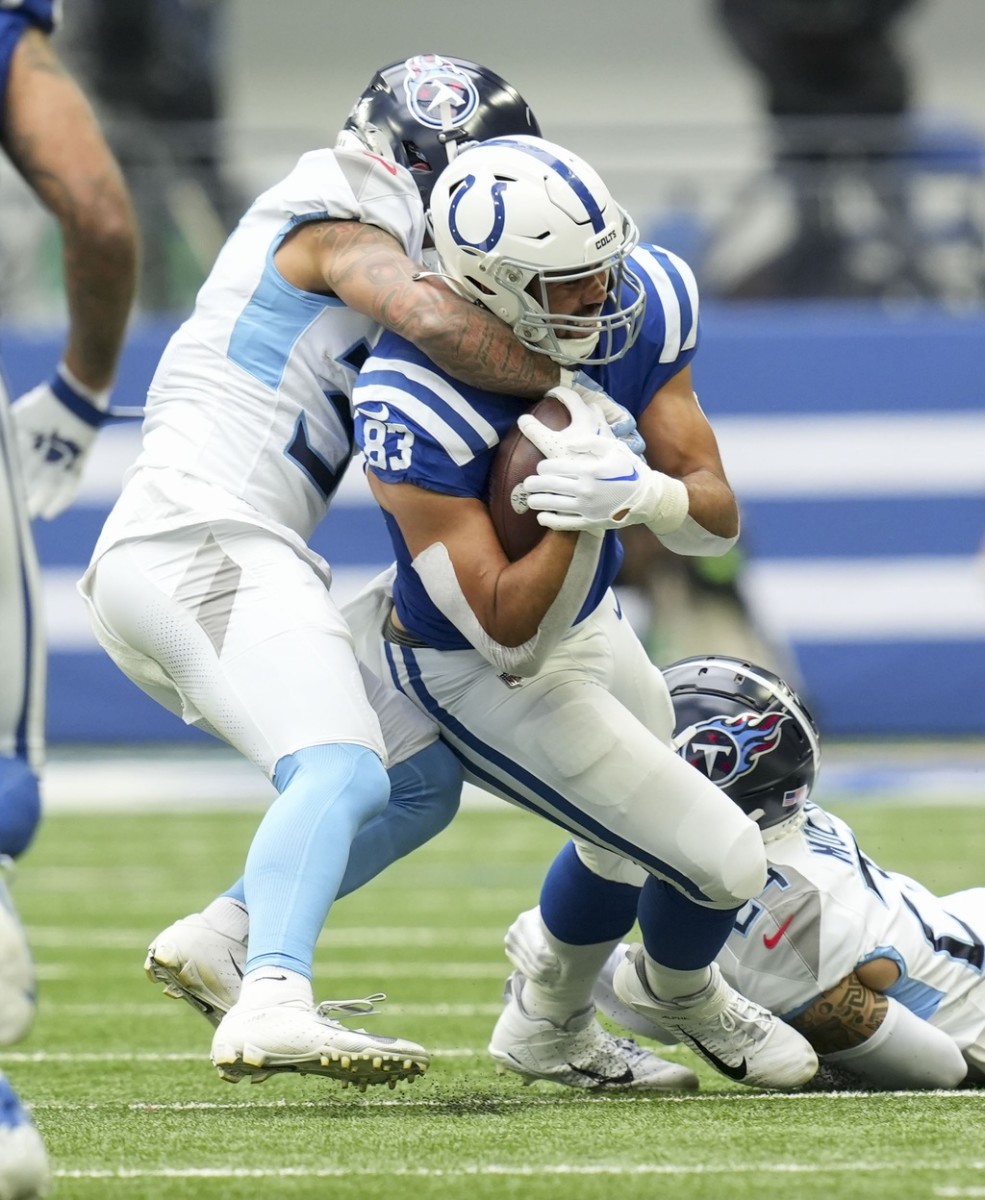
515 459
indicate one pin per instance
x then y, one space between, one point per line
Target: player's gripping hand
586 425
620 420
55 424
602 487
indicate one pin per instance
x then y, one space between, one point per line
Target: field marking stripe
154 1010
523 1170
527 1101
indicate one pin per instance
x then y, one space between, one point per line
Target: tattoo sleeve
367 269
846 1015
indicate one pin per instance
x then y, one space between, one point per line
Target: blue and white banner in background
855 441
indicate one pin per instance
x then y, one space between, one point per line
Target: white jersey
248 416
828 908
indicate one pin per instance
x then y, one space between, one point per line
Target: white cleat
17 981
740 1039
578 1054
199 965
24 1173
607 1002
255 1043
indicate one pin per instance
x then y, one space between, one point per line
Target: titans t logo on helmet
726 748
434 88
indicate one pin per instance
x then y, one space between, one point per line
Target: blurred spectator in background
839 94
154 69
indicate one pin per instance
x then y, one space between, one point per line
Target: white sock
571 992
228 916
666 983
266 986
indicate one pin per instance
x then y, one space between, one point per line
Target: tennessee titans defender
885 979
48 132
202 587
538 685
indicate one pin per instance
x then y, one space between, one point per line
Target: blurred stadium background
852 422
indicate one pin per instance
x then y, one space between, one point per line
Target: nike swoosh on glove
604 487
55 424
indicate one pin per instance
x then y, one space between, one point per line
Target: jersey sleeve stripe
450 400
416 403
676 297
691 290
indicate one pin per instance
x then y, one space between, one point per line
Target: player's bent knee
346 775
428 787
20 806
742 873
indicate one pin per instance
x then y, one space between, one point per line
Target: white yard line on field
523 1170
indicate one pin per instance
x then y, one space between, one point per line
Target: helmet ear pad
418 111
745 729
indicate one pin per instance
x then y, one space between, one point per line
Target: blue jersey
417 425
15 17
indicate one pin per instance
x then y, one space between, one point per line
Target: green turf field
130 1107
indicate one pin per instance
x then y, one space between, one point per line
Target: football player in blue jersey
49 133
536 682
885 979
204 591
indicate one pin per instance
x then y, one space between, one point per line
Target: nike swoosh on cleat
236 967
610 1080
737 1073
771 942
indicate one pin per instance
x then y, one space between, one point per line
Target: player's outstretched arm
366 267
51 135
877 1040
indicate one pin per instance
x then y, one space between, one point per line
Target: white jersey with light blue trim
417 425
827 908
251 399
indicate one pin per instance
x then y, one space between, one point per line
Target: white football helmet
512 215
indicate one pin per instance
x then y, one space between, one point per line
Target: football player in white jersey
885 979
203 589
50 135
538 684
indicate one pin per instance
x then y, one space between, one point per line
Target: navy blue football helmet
749 732
421 111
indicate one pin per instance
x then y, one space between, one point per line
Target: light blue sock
20 806
298 857
425 791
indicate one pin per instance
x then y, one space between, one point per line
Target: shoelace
351 1008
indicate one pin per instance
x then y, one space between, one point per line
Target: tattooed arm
52 137
875 1041
846 1015
366 267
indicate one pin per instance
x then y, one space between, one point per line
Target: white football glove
605 486
620 420
55 425
587 425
